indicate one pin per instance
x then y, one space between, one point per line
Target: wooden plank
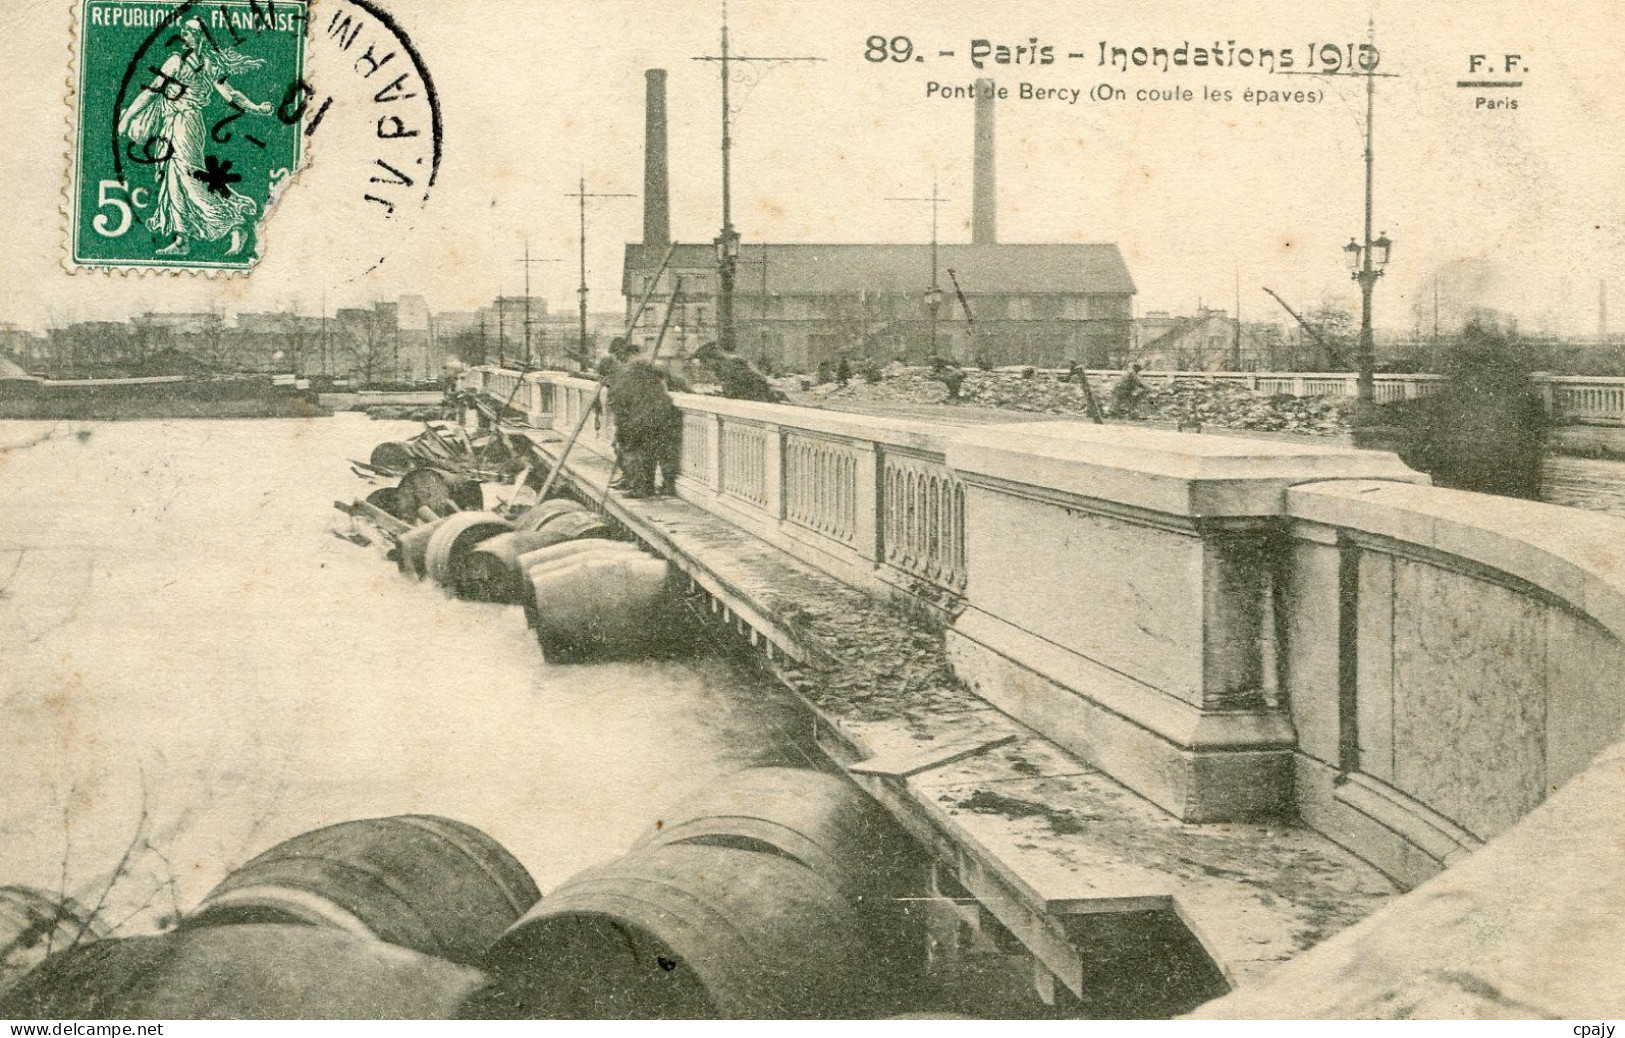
901 765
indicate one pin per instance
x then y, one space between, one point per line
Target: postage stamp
187 118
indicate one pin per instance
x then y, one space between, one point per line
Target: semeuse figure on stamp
648 427
194 199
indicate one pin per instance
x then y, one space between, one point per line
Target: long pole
581 290
527 302
933 296
581 195
1235 353
728 241
936 289
725 244
598 392
1365 383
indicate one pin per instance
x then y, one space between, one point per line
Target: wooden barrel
455 538
578 551
821 820
393 456
414 547
426 488
34 923
600 605
684 932
565 549
388 499
543 512
490 572
423 882
572 526
268 972
467 494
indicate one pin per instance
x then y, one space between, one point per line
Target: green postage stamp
187 123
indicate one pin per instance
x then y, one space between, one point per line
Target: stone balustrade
870 499
1232 628
1571 399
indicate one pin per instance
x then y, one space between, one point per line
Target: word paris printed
188 125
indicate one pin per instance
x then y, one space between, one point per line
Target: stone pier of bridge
1236 694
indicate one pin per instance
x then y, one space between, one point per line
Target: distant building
799 305
1207 341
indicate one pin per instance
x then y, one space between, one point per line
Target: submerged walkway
1059 853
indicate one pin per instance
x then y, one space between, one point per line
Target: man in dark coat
648 427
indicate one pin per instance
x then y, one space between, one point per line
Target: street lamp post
1366 263
933 301
727 242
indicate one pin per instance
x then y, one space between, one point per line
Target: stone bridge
1239 693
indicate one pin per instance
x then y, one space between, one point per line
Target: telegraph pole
502 332
527 261
727 242
581 195
933 295
1235 362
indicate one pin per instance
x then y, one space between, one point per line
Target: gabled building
799 305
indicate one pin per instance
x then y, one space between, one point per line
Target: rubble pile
1183 401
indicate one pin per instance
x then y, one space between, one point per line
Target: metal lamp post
1366 263
727 244
933 302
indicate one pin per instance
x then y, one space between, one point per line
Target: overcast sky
537 92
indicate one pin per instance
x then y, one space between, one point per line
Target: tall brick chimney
984 191
656 178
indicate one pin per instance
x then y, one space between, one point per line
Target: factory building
798 305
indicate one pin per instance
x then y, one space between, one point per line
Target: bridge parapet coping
1233 629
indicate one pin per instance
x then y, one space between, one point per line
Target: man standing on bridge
648 428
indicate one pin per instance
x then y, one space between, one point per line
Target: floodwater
194 667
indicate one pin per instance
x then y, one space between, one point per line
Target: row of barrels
775 894
585 594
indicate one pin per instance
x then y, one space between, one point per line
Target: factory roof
849 269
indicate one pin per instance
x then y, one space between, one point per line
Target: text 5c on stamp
187 123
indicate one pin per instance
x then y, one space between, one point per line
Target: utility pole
933 295
325 370
581 195
502 332
727 242
1235 353
527 261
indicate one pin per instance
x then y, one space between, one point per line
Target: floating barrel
609 604
455 538
819 819
272 972
684 932
427 488
571 526
570 553
491 573
414 547
467 494
388 499
393 456
539 514
33 924
426 883
564 549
